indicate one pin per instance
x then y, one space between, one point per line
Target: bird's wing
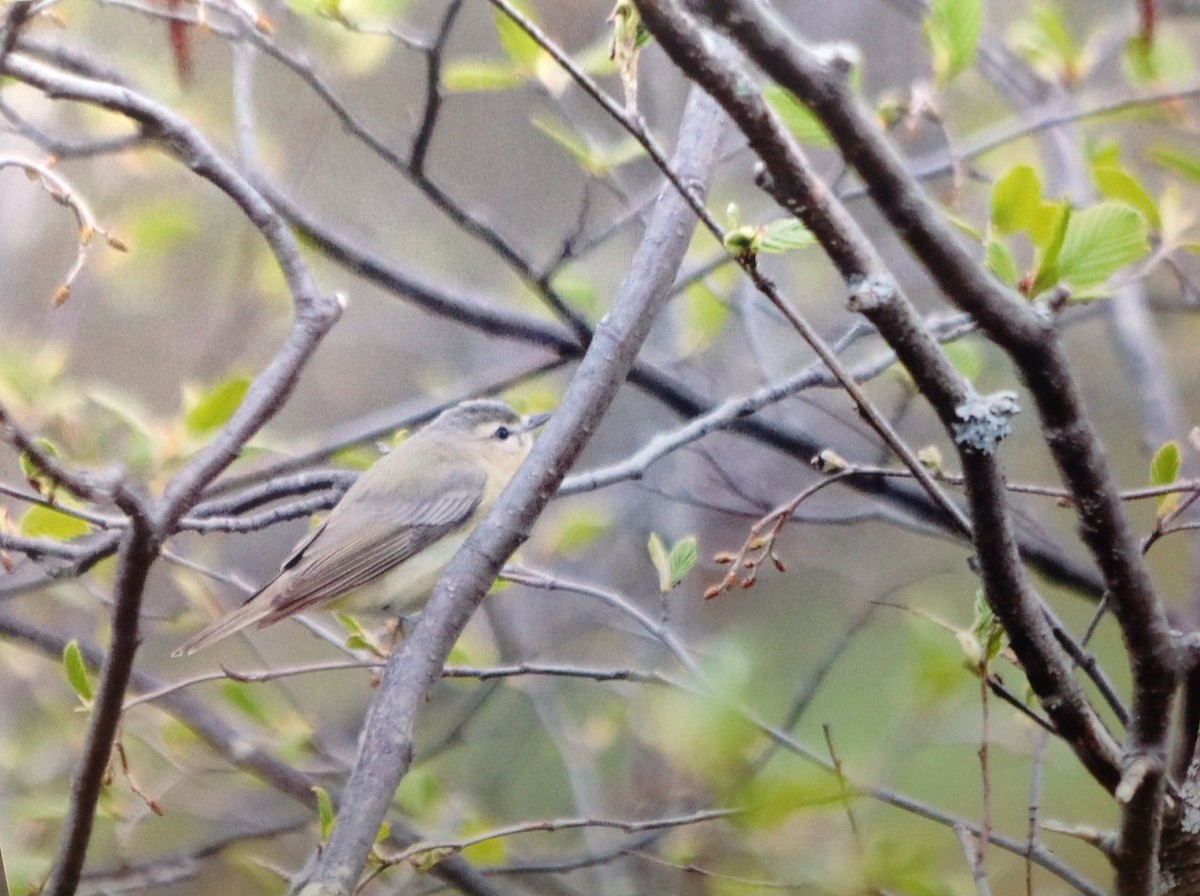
350 550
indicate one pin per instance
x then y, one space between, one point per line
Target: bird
385 544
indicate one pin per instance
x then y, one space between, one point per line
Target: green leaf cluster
1077 250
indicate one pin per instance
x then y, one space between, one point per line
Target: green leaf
1115 182
241 696
784 234
658 556
33 474
797 117
681 559
966 358
46 522
1099 241
480 75
1046 41
671 565
1165 59
519 46
324 812
208 410
1047 269
1178 160
1164 469
704 317
1017 203
1164 466
77 674
952 30
1000 262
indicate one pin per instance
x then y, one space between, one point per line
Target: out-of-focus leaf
487 852
46 522
598 162
796 117
518 46
1017 203
966 358
1045 40
480 75
1181 161
779 791
1047 269
704 317
77 673
578 529
784 234
1115 182
207 410
1000 262
246 699
420 791
33 474
952 29
324 812
1166 59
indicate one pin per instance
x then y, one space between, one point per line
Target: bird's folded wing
351 550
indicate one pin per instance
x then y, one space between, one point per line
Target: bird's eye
503 432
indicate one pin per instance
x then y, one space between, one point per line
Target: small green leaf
480 75
1046 41
784 234
46 522
519 46
797 117
1047 269
952 30
658 556
77 674
1164 466
324 812
681 559
1178 160
1098 242
1165 59
966 358
208 410
1018 205
1115 182
241 696
1000 262
33 474
1164 469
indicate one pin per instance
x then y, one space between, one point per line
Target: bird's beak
533 421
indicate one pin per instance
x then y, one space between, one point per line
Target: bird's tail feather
247 614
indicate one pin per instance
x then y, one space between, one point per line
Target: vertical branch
387 744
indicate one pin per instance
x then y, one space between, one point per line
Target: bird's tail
248 613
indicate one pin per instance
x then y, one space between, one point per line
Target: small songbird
386 543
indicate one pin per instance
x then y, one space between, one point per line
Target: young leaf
478 75
1000 262
1047 271
1178 160
77 675
796 117
784 234
206 411
46 522
324 812
1115 182
519 46
1164 469
681 559
1099 241
33 474
952 29
1017 203
658 556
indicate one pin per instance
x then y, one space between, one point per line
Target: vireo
386 543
